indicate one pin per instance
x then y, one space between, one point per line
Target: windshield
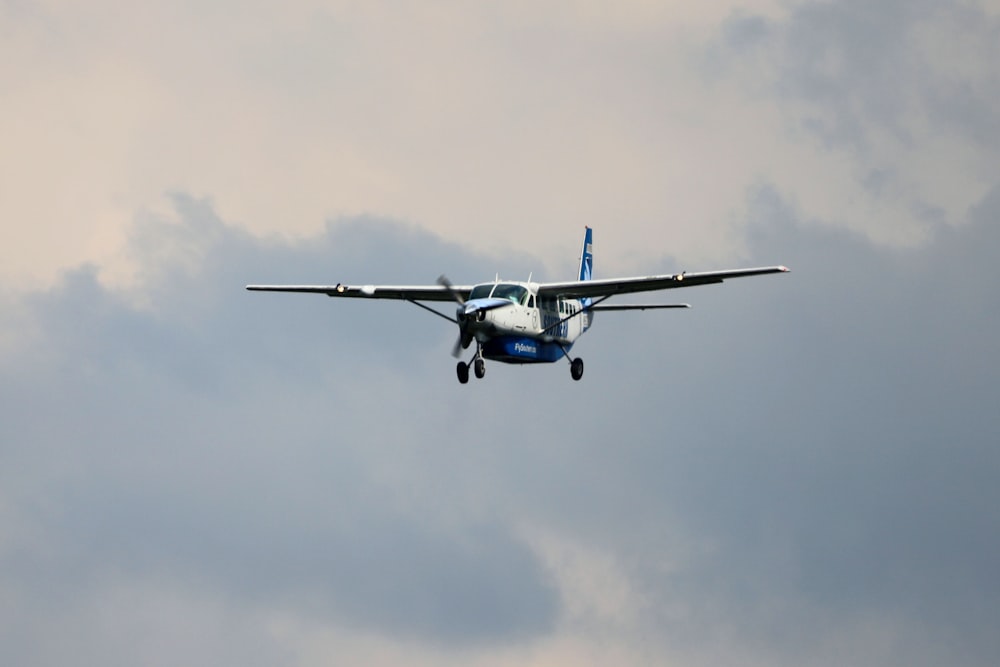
481 291
516 293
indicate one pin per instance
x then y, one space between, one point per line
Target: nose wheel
576 368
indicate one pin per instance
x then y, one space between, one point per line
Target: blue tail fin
587 258
587 270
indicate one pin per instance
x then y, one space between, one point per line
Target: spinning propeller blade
456 351
460 315
444 282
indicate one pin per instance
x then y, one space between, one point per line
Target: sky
799 470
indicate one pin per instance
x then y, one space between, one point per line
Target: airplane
526 322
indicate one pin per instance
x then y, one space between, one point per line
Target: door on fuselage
549 310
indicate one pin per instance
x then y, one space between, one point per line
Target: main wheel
576 368
480 368
463 372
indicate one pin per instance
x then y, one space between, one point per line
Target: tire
480 368
576 368
463 372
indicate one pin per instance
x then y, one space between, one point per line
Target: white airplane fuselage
512 324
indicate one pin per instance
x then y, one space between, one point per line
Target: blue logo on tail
587 259
587 268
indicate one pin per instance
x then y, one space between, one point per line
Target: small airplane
526 322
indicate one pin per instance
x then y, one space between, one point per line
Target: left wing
403 292
611 286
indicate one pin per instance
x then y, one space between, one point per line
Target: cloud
133 426
798 463
490 125
877 90
871 384
797 470
863 69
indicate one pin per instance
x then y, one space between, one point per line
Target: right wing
611 286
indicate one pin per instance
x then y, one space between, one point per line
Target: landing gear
478 366
575 365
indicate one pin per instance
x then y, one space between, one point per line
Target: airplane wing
403 292
612 286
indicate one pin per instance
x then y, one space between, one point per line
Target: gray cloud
811 454
844 441
168 442
888 67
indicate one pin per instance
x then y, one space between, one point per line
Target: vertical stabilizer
587 258
587 273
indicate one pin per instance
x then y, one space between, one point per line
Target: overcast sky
800 470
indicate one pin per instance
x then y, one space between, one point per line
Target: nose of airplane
471 311
479 307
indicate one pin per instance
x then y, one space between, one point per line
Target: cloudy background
800 470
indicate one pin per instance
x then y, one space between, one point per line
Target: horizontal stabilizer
641 306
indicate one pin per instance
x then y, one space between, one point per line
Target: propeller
461 314
445 283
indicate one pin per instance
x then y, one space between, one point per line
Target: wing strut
431 310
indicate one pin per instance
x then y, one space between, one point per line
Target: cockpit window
515 293
481 291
